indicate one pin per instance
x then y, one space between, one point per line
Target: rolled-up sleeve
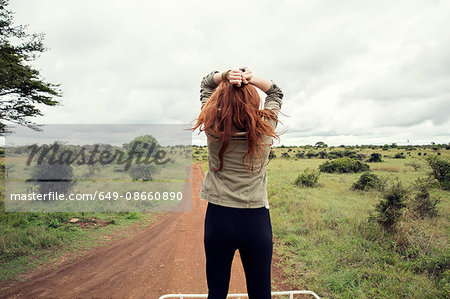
273 101
207 87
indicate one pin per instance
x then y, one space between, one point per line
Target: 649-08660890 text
103 196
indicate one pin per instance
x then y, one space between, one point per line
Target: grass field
324 238
327 243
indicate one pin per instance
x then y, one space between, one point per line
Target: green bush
285 155
54 223
390 209
422 203
311 154
45 173
336 153
440 170
142 172
435 264
368 181
323 154
399 156
309 178
344 165
375 157
272 155
133 215
300 155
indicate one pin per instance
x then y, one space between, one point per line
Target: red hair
232 109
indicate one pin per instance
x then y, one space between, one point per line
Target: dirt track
165 257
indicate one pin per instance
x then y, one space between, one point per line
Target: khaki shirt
233 186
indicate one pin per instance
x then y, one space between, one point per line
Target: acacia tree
21 86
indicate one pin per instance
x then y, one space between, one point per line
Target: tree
320 144
440 170
21 86
142 144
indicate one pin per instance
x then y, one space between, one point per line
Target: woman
239 138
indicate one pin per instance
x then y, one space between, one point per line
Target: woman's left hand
235 77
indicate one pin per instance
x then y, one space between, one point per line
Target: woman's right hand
234 77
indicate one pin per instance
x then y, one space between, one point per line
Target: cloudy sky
352 72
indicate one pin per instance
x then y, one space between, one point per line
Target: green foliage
399 156
21 85
46 174
311 154
436 265
440 170
322 154
375 157
285 155
335 154
309 178
142 145
422 203
390 209
300 155
368 181
321 144
133 215
272 155
142 172
54 223
344 165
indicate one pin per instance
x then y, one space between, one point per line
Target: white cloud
352 72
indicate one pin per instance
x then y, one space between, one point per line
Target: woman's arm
274 98
261 83
207 87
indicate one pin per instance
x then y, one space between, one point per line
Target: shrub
323 155
133 215
389 209
399 156
57 177
344 165
300 155
339 154
360 156
440 170
350 154
272 155
142 172
54 223
285 155
375 157
311 154
368 181
309 178
423 205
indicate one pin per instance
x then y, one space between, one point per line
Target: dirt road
165 257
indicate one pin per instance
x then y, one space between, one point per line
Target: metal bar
290 293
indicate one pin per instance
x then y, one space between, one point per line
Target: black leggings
250 231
